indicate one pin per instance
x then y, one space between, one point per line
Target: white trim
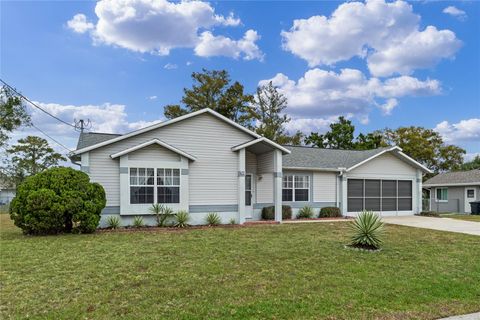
150 142
313 169
163 124
451 184
399 152
262 139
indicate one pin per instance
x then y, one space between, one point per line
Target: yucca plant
162 213
182 217
305 213
367 231
213 219
113 222
232 221
138 222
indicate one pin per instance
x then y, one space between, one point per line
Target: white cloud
158 26
211 45
380 32
320 93
170 66
465 130
454 11
79 24
309 125
152 98
470 156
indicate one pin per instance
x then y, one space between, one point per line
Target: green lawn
297 271
466 217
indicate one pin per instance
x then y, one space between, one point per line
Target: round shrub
58 200
330 212
268 213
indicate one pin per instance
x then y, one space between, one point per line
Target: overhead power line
56 141
36 106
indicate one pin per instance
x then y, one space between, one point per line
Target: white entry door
249 189
470 195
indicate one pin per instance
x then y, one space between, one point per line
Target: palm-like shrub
183 217
162 214
213 219
113 222
138 222
305 213
367 231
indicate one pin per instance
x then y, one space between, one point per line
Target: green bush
138 222
367 231
330 212
58 200
305 213
182 217
429 214
232 221
213 219
113 222
162 214
268 213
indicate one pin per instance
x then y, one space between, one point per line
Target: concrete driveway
443 224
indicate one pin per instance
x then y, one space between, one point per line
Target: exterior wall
456 199
212 177
386 166
264 180
154 152
6 195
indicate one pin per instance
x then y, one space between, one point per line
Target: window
296 188
379 195
141 185
470 193
168 185
248 190
144 184
442 194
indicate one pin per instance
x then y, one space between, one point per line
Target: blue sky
381 64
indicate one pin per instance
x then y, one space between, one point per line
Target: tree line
262 112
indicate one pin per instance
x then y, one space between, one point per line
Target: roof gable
455 178
151 142
163 124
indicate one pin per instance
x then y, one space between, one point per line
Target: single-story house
453 191
203 162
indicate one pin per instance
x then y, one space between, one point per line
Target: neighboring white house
453 191
7 190
203 162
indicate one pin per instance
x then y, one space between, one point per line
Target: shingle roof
308 157
87 139
456 177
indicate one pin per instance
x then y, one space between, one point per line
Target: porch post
419 191
241 186
277 184
344 194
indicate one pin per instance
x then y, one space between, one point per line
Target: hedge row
268 213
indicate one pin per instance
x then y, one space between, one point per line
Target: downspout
341 170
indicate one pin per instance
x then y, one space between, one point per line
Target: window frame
156 184
293 181
446 194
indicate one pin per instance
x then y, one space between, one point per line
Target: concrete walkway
471 316
443 224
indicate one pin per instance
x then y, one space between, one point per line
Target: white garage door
388 197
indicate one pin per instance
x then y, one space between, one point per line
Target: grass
466 217
295 271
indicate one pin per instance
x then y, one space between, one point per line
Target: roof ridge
318 148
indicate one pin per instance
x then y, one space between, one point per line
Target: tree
369 141
340 136
30 156
269 105
13 113
58 200
214 90
426 146
471 165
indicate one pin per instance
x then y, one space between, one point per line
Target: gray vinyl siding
251 162
456 199
386 164
324 187
265 188
106 171
154 153
265 162
212 177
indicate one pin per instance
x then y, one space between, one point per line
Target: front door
470 195
248 196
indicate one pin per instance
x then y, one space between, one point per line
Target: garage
385 196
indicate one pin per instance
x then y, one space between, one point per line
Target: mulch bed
329 218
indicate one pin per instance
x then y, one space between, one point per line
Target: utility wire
61 145
36 106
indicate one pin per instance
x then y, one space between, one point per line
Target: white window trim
155 185
441 200
293 187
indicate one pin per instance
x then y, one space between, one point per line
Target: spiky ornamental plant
213 219
183 217
367 231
